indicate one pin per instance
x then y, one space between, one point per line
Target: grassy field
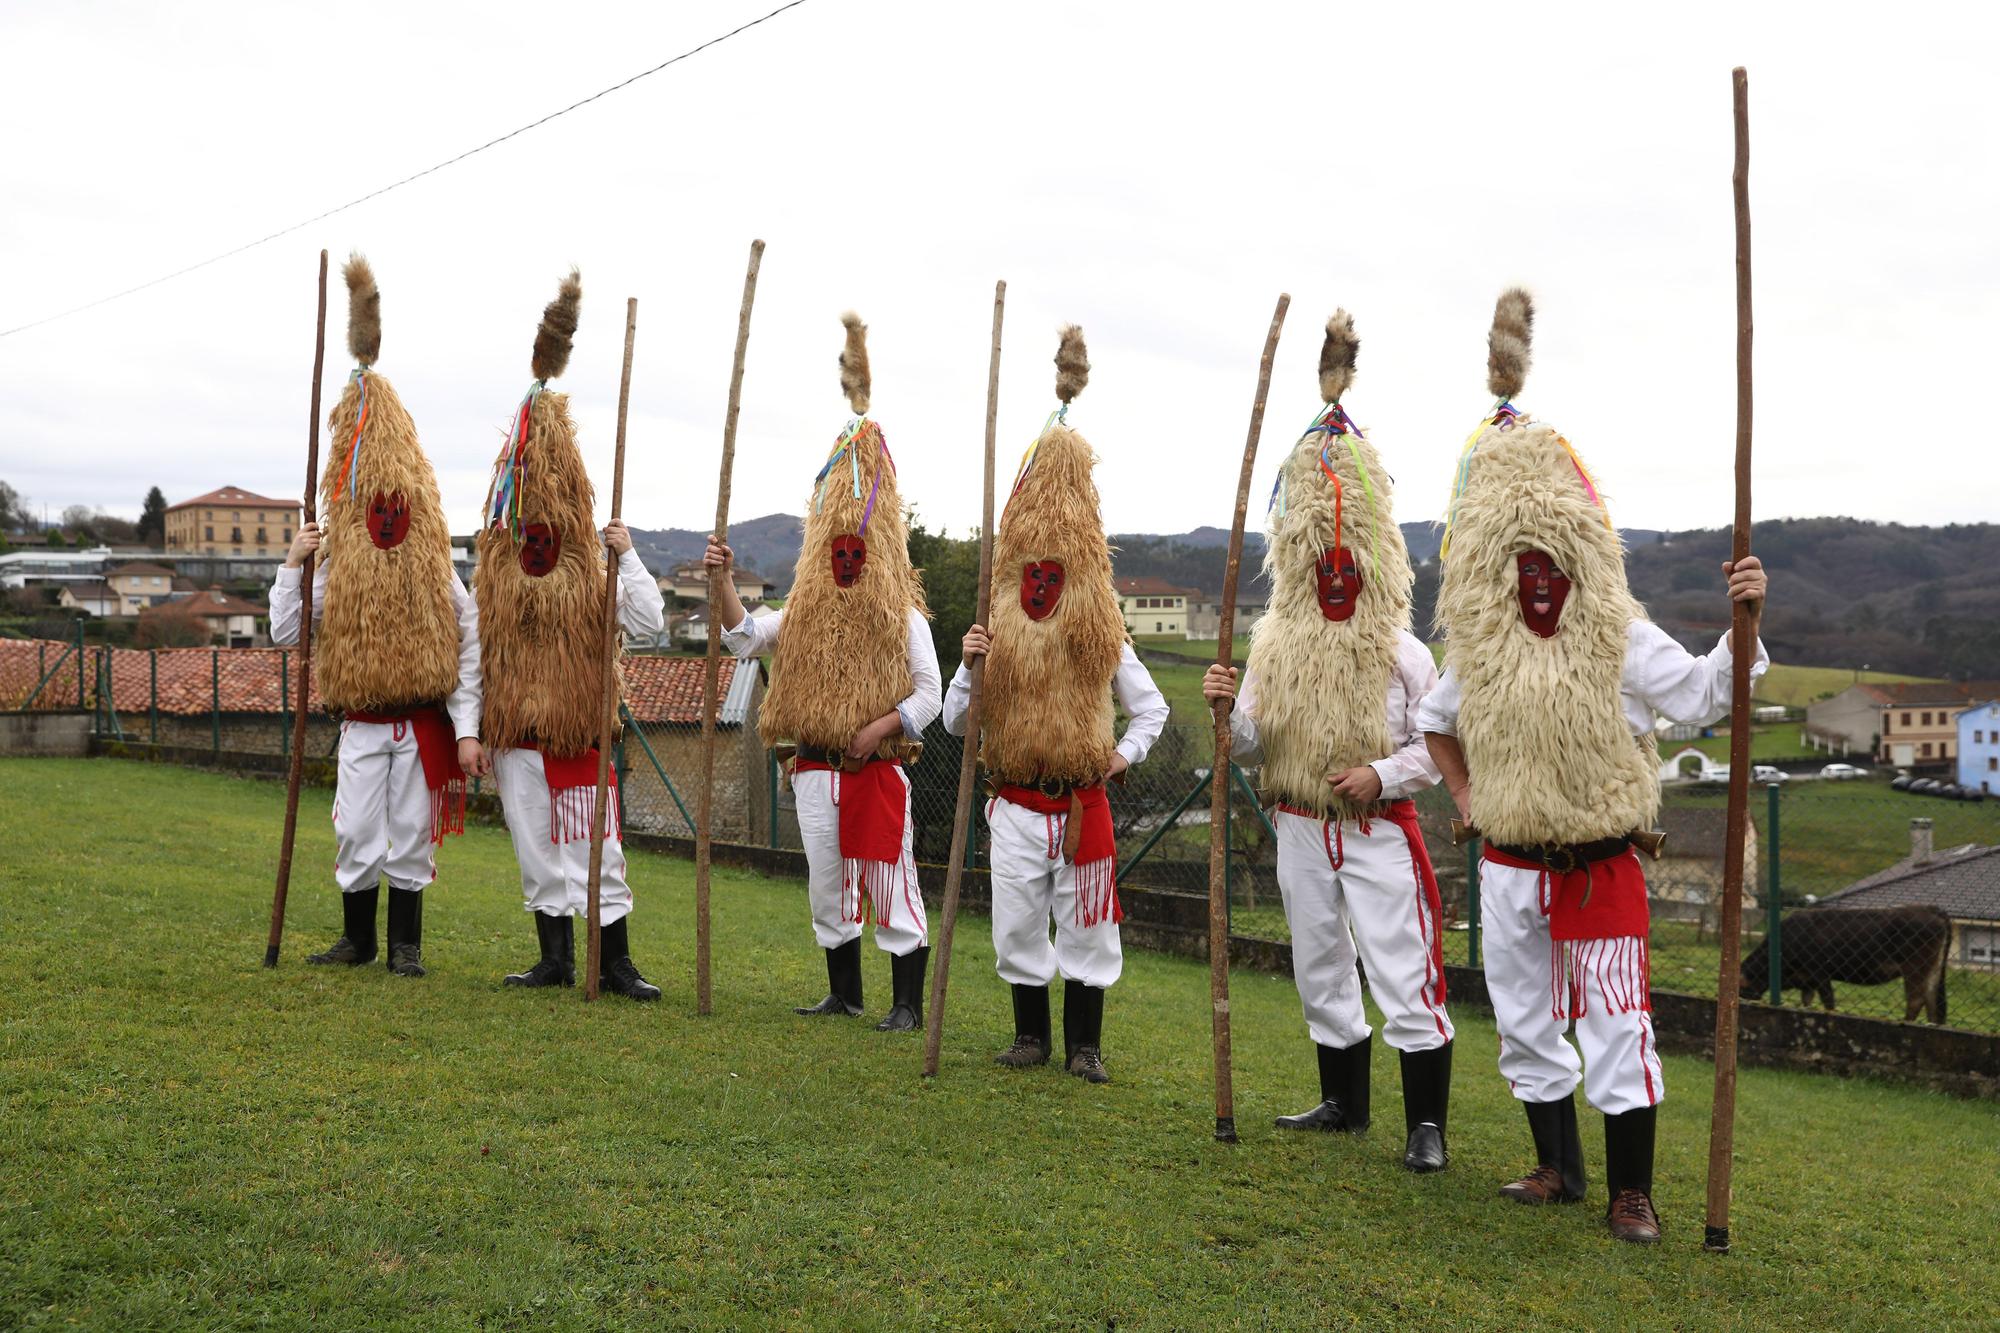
194 1141
1797 686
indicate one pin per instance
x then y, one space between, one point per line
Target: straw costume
854 684
396 651
1059 656
1332 689
1553 681
541 607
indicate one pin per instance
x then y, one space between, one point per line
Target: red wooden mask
541 547
388 520
848 552
1543 590
1041 588
1338 575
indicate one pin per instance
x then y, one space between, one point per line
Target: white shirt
642 611
463 702
1132 685
1661 679
754 636
1407 769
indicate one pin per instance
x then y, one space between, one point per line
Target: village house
1204 611
689 581
1685 884
1962 882
1908 725
232 521
93 597
232 622
1153 608
141 585
1979 747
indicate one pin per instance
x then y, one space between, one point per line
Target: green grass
194 1141
1768 743
1797 686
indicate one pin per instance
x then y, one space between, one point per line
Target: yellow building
232 521
1153 608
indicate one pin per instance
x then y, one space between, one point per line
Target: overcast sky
1156 173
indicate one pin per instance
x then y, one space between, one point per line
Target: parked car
1716 775
1766 773
1841 772
1900 783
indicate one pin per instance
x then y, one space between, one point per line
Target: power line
372 194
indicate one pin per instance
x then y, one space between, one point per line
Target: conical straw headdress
843 654
1322 685
388 639
1552 757
541 565
1048 708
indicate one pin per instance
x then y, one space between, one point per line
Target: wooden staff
305 645
607 680
1218 777
968 762
1722 1122
711 679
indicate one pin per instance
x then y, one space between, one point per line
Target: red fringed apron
573 796
1087 842
437 751
1598 923
871 805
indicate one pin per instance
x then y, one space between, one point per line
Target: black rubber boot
1031 1029
906 985
620 974
1426 1096
1083 1031
1343 1090
1628 1175
406 931
356 944
557 966
1558 1175
843 982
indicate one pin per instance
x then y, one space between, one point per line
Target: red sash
1602 901
871 805
437 751
573 796
1096 856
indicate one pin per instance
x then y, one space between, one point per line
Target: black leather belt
1562 858
1055 789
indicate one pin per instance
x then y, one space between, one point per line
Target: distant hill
1922 601
767 546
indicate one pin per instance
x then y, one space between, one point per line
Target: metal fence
1889 899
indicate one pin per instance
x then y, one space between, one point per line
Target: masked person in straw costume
1056 658
854 684
1543 729
396 652
1329 710
541 607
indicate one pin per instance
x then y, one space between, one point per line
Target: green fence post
624 777
771 772
153 692
79 664
1472 904
1775 911
215 701
284 704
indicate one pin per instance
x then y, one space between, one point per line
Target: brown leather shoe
1632 1218
1544 1184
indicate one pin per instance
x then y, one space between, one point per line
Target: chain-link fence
1889 898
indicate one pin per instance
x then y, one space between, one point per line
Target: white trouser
1335 879
1538 985
1031 882
381 809
555 876
901 923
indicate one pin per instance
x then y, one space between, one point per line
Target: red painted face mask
1544 589
1041 588
848 554
388 520
1339 577
541 547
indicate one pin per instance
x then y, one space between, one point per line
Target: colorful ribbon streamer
1506 415
503 494
344 477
